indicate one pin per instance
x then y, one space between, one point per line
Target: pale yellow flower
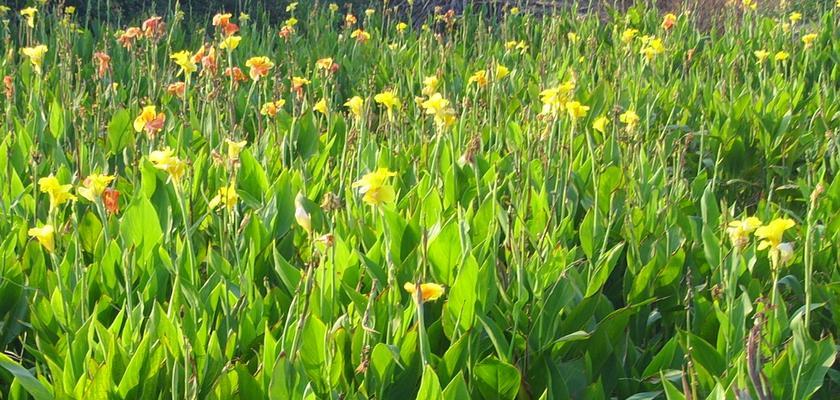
36 56
45 235
600 124
630 119
576 110
94 185
356 106
226 197
321 106
231 42
29 13
58 193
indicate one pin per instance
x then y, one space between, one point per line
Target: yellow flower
439 107
45 235
301 216
781 56
29 13
369 12
501 71
149 120
628 35
298 82
389 100
291 22
428 291
374 187
554 99
231 42
324 63
401 27
653 48
761 55
58 193
271 108
291 7
184 59
600 124
430 85
94 185
795 17
234 148
227 197
629 118
167 161
739 231
771 234
333 7
479 78
321 106
576 110
514 10
36 56
750 4
356 105
808 39
259 67
572 37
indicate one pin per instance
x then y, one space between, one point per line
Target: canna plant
356 203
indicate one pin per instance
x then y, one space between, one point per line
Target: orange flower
259 67
177 89
669 21
9 84
349 20
149 120
208 61
104 61
428 291
236 74
154 28
221 19
230 29
360 35
126 39
286 32
111 198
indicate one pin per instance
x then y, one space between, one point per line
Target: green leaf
140 226
120 131
456 389
671 392
32 386
56 118
496 379
252 178
445 253
460 304
429 386
603 269
312 350
131 377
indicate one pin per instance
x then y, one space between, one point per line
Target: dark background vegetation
124 12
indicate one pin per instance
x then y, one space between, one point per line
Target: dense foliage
611 205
